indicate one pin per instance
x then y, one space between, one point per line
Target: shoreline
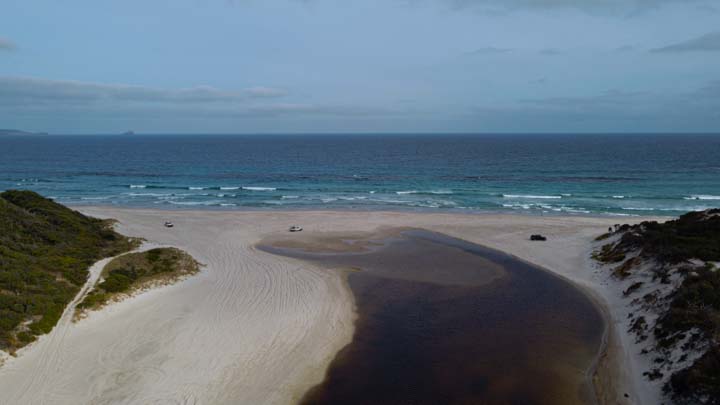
566 254
595 371
620 217
324 243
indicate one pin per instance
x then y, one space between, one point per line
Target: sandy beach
259 328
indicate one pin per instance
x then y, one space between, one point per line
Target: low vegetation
685 250
45 252
128 272
609 254
695 310
695 235
699 383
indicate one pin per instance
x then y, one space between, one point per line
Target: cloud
32 90
624 7
625 49
620 104
707 9
610 100
711 90
52 98
265 92
6 45
327 110
706 43
490 50
550 52
611 111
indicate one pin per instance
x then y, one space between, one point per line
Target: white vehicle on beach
295 228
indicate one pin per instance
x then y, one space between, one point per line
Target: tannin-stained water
442 321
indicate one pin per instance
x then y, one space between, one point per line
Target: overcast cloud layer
6 45
248 66
592 6
705 43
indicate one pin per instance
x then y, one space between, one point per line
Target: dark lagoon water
572 174
444 321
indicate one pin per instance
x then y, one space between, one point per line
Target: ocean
620 175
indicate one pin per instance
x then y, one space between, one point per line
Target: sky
323 66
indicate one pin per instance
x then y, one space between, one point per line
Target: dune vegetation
682 254
134 270
46 250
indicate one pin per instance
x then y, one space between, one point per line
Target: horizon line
325 133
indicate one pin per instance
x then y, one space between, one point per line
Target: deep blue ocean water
576 174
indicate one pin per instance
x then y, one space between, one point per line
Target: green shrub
699 383
695 304
124 273
45 252
695 235
25 337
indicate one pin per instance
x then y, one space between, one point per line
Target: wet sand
255 327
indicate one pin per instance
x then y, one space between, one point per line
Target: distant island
19 132
128 133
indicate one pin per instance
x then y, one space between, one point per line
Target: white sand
255 328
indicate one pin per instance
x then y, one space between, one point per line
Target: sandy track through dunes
251 328
50 346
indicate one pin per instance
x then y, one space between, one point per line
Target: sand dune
253 327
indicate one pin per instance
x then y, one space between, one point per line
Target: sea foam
540 197
259 188
424 192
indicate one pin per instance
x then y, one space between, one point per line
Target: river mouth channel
441 320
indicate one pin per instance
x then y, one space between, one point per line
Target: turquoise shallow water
572 174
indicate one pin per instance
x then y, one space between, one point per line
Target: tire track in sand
49 345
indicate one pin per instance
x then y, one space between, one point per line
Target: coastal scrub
46 250
132 271
678 260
